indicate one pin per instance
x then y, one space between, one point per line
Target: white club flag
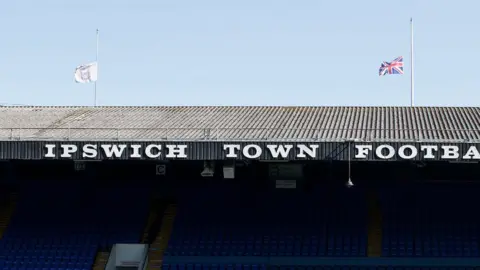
86 73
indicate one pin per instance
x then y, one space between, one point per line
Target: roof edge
225 106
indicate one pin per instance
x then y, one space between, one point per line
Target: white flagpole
412 83
95 84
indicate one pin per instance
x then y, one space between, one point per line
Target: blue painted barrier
362 261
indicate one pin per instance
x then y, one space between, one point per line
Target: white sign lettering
380 151
411 148
285 151
310 150
257 151
280 150
472 153
406 151
93 151
429 151
362 151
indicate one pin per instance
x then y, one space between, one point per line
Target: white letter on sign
176 151
113 150
150 154
450 152
89 151
231 148
136 150
246 152
68 150
428 149
472 153
379 152
282 150
413 149
50 148
311 151
362 151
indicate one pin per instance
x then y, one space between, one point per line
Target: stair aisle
101 260
151 218
159 245
157 209
6 213
374 226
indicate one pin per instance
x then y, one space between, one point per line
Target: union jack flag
394 67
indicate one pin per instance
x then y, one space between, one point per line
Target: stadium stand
227 222
431 221
388 221
63 225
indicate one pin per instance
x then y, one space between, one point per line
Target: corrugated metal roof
241 123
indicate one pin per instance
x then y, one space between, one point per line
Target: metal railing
240 134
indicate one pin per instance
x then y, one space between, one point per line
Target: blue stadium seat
222 222
430 222
63 226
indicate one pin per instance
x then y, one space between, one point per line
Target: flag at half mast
86 73
393 67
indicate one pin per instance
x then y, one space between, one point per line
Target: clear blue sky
239 52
